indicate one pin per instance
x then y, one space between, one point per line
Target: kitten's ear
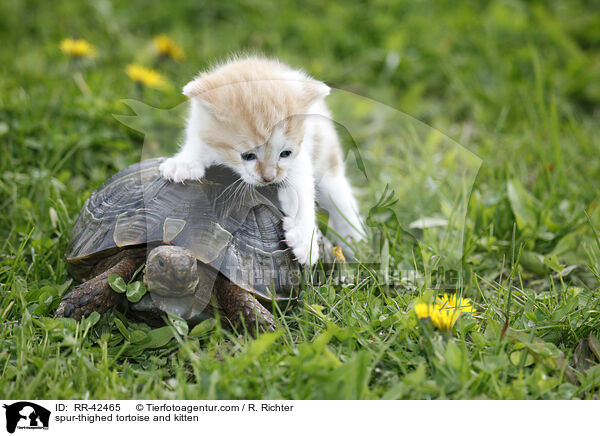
193 88
315 90
196 90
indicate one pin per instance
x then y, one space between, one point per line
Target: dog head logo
26 415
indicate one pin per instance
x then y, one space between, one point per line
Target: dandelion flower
78 48
339 254
423 310
444 319
453 303
165 46
445 311
146 76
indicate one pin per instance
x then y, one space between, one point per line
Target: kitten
270 124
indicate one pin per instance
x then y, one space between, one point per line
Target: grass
516 84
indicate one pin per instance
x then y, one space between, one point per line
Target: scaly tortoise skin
238 243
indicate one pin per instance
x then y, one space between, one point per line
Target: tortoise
207 247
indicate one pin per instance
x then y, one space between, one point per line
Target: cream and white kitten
269 123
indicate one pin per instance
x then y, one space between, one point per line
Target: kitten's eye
285 153
248 156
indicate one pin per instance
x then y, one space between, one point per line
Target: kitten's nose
268 179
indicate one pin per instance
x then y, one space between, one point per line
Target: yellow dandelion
338 254
165 46
78 48
444 319
423 310
146 76
451 302
445 311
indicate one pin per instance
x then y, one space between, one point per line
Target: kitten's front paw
178 170
302 240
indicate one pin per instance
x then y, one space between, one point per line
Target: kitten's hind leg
334 194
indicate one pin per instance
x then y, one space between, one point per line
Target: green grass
516 84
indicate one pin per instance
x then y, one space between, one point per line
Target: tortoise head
171 271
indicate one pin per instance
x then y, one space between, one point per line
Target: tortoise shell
238 235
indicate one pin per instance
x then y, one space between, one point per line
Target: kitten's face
258 161
270 162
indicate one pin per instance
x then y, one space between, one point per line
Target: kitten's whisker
253 196
233 192
249 192
229 188
237 194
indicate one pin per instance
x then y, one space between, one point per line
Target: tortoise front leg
241 306
96 295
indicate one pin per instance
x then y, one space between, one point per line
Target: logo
26 415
